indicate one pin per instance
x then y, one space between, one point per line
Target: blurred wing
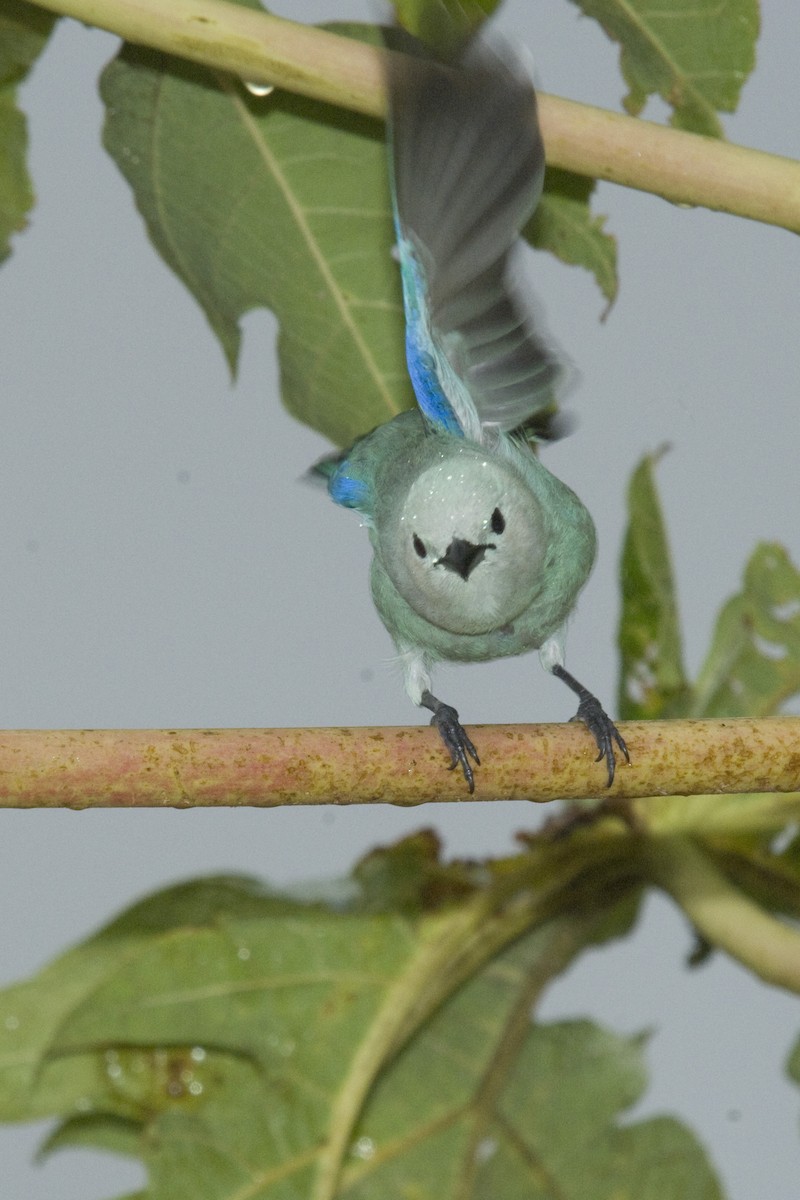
467 165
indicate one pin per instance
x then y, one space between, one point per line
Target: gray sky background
163 565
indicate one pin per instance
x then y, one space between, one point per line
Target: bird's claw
604 731
455 738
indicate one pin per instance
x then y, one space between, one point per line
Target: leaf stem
723 914
684 168
270 768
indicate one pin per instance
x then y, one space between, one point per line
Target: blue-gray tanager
479 552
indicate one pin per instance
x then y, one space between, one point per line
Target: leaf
652 679
248 1044
33 1083
514 1109
24 30
793 1065
114 1134
281 202
753 666
443 24
564 225
695 56
411 876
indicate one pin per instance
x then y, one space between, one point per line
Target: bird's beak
462 556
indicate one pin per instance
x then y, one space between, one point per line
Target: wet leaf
283 203
243 1043
279 202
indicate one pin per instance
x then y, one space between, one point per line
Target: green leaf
793 1065
279 201
33 1082
652 679
443 24
248 1044
564 225
114 1134
695 56
753 666
24 30
283 202
514 1109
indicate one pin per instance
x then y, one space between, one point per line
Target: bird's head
468 544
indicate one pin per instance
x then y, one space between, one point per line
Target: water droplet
363 1148
197 1054
259 89
485 1149
243 953
784 838
11 1022
195 1088
113 1065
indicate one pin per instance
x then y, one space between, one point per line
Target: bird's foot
454 736
604 732
597 721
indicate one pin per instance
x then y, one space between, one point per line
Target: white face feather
467 547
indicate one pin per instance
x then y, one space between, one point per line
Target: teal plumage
479 551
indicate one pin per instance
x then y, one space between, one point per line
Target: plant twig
684 168
268 768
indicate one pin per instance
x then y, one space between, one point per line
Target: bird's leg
454 736
596 720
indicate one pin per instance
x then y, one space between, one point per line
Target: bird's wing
467 165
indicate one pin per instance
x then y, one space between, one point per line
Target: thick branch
407 766
683 167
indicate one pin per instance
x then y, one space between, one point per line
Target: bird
479 552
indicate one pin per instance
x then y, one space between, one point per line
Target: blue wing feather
466 170
425 371
346 490
345 485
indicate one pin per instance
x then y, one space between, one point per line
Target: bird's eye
419 546
498 521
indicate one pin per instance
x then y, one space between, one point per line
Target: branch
276 767
684 168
